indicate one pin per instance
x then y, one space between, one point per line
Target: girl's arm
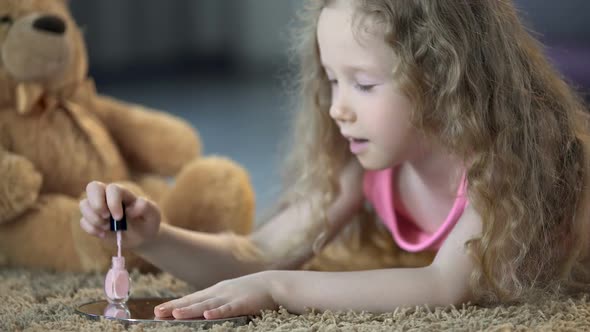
444 282
204 259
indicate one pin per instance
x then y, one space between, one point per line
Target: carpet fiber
44 301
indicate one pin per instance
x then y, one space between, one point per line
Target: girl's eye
333 82
365 87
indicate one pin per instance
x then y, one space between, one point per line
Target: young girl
448 120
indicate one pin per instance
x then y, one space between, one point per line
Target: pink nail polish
117 282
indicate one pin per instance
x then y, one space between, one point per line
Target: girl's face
367 106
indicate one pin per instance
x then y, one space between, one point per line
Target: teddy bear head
40 44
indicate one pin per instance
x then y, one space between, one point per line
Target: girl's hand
247 295
103 201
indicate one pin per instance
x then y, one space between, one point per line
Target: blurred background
222 64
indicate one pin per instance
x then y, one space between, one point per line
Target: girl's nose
342 114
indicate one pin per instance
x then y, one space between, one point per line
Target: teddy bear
57 134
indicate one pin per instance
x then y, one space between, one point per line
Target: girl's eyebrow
352 69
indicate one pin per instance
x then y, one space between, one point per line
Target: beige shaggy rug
45 301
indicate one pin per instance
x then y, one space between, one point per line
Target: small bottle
117 282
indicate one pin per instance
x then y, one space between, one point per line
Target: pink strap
378 190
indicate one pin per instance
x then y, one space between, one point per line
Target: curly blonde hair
481 85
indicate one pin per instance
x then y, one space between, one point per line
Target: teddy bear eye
5 19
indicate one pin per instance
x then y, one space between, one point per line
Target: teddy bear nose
50 23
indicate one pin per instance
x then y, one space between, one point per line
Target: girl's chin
371 164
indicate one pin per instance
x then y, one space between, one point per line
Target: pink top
378 189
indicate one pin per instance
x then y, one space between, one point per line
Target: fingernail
161 308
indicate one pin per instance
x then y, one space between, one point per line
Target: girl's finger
95 192
165 309
231 309
197 309
145 209
91 216
136 209
115 196
91 229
